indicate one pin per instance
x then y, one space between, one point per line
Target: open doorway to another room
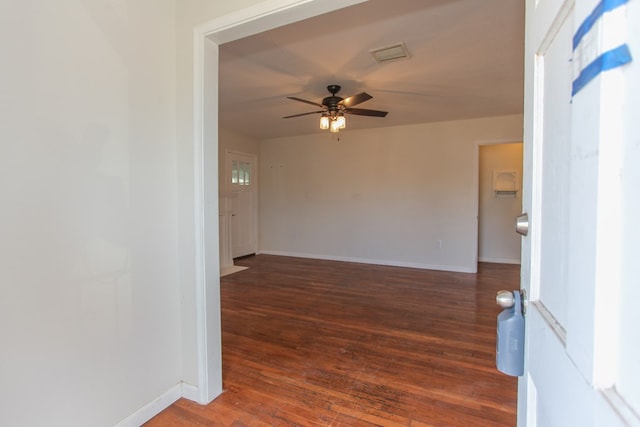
500 202
238 196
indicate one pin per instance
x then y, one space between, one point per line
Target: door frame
206 39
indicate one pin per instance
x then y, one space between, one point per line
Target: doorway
499 202
207 38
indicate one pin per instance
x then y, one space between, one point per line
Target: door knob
506 299
522 224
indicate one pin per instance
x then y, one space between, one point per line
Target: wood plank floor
322 343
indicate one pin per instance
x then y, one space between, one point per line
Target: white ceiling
466 62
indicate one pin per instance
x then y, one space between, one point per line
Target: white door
579 341
243 198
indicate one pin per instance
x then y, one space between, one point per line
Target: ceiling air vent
395 52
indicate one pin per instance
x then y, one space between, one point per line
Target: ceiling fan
335 107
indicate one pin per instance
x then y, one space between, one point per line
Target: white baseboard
452 268
159 404
152 408
499 260
225 271
190 392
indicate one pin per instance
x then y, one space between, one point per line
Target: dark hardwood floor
322 343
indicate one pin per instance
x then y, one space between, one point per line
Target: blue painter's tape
603 7
610 59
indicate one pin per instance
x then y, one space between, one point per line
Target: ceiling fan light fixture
335 126
391 53
324 122
342 121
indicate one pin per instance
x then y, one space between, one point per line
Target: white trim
231 269
190 392
621 407
198 210
535 199
476 205
152 408
500 260
451 268
267 15
206 239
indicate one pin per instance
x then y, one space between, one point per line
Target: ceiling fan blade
303 114
355 99
364 112
305 101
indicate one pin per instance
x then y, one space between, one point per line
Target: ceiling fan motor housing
331 102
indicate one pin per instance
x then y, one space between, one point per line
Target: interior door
572 192
241 178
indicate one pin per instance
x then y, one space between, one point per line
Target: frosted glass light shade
324 122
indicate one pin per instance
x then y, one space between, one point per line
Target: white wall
402 196
89 299
497 239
